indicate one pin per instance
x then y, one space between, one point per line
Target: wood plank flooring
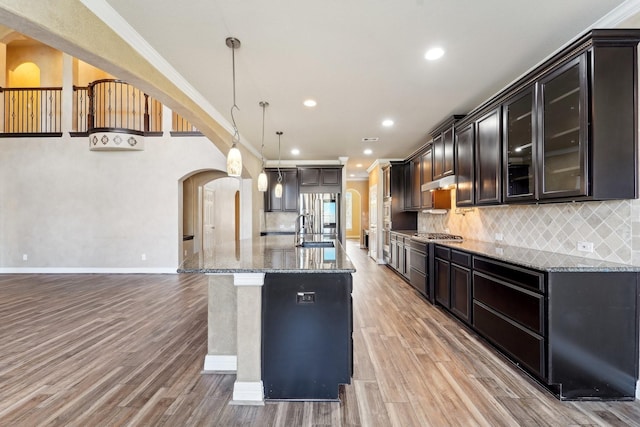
112 350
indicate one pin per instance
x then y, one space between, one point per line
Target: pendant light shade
234 158
263 183
262 178
278 190
234 162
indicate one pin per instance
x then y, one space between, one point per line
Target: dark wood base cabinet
575 332
307 346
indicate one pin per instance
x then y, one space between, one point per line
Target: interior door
208 219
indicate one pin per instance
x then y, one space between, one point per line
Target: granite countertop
268 254
536 259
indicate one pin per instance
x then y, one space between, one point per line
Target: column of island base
234 333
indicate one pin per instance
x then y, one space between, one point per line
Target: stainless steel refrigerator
320 214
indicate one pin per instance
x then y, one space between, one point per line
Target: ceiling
361 60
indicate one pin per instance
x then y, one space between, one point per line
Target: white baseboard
220 363
85 270
248 393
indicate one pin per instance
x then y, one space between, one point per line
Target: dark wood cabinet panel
320 179
488 159
448 160
526 308
413 183
400 219
461 292
524 346
309 176
465 188
427 176
444 147
289 200
438 157
519 140
564 143
441 270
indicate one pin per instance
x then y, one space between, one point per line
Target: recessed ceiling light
368 151
352 175
387 123
359 165
310 103
295 151
434 53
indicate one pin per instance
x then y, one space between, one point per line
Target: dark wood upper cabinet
488 159
443 147
519 141
427 176
437 158
416 182
448 155
568 132
320 179
465 182
289 200
563 144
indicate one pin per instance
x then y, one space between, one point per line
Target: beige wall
48 60
73 209
362 188
84 73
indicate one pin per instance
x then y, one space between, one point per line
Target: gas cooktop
439 237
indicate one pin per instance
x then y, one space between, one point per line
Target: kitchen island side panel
593 334
307 349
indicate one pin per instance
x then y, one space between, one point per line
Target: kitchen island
276 314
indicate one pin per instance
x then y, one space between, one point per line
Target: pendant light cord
279 133
234 44
264 105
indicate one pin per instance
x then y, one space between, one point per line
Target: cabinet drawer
418 280
461 258
525 347
418 260
525 307
518 276
442 252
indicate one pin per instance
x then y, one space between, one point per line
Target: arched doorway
210 211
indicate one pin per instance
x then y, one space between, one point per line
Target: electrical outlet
498 237
585 246
446 230
25 257
143 257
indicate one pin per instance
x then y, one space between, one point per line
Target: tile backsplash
613 227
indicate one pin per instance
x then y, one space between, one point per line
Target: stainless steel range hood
440 184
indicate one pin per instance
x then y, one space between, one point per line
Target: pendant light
262 178
278 190
234 158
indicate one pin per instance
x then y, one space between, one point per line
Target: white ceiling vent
370 139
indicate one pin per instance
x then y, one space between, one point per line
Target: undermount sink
317 244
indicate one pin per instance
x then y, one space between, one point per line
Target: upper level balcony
112 113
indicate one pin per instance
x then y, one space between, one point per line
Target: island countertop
268 254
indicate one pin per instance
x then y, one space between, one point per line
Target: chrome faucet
299 227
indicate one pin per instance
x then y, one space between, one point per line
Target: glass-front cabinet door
519 145
563 146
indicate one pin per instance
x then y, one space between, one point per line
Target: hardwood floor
110 350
